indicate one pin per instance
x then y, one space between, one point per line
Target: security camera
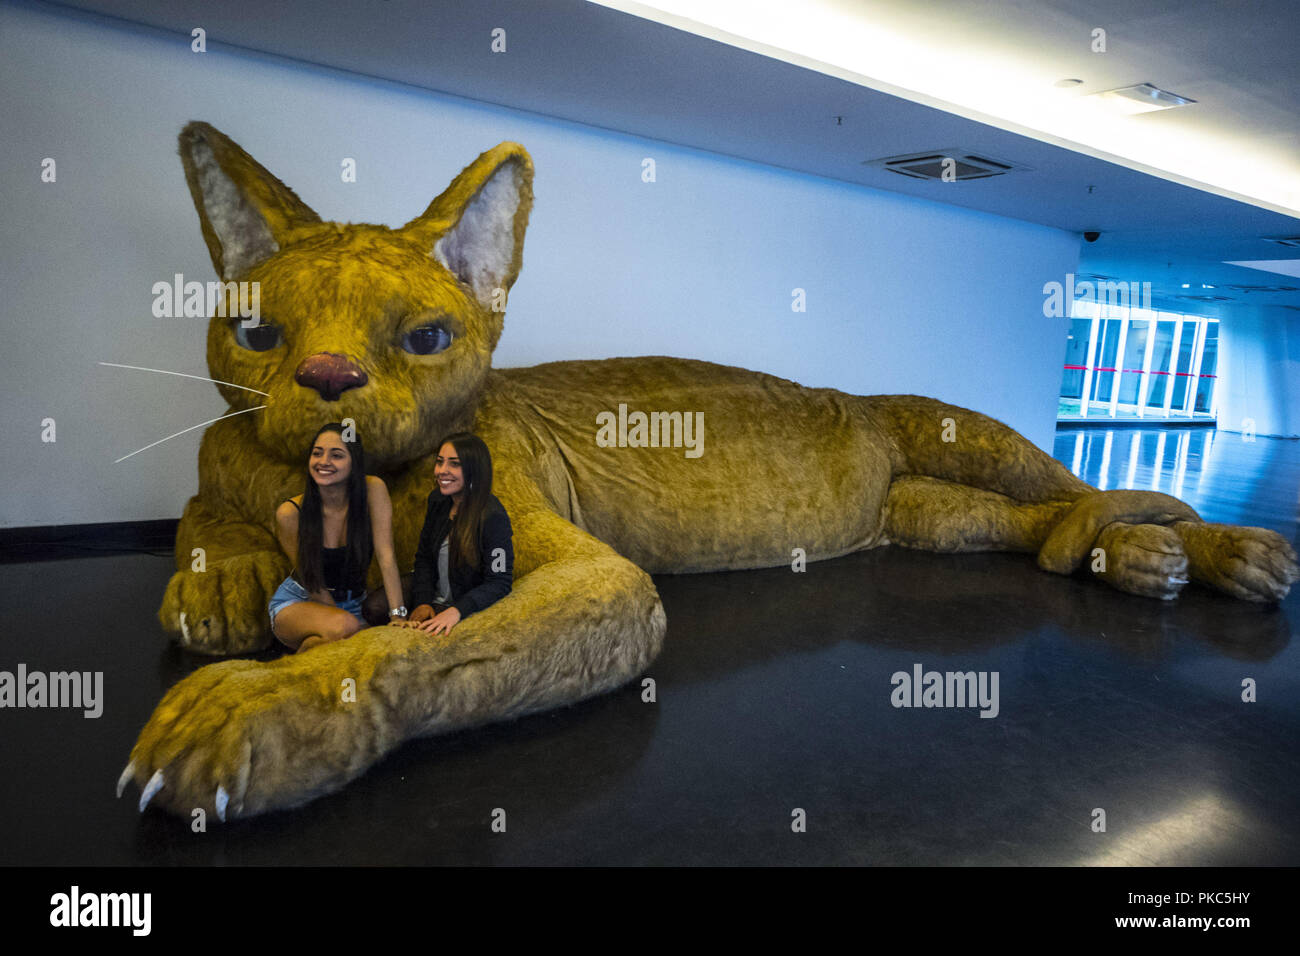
1092 236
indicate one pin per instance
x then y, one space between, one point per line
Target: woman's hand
441 623
422 612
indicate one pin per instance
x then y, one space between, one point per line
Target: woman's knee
342 625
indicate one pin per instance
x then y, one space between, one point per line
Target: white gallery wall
902 295
1259 361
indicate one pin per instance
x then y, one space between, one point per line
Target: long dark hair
311 522
476 468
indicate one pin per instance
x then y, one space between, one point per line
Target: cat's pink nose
329 374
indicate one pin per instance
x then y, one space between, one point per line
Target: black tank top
338 576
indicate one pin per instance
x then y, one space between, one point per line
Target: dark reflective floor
773 694
1223 475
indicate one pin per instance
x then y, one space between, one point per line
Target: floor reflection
1225 476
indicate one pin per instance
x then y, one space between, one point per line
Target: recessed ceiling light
1143 98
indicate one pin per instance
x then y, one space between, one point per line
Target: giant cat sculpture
394 329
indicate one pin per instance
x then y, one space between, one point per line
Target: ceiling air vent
959 164
1290 241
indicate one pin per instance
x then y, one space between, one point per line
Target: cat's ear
476 227
246 213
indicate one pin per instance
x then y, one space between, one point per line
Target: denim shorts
291 592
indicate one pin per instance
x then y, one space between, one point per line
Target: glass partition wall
1123 362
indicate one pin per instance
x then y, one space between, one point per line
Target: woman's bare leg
309 624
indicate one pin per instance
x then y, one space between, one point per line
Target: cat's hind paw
1253 564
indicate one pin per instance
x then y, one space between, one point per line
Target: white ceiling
587 63
998 61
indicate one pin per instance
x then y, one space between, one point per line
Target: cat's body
666 511
394 329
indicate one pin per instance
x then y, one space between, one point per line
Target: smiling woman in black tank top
331 531
342 572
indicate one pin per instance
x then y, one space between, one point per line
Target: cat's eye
427 340
259 338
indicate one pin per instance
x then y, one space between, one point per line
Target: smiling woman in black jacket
465 559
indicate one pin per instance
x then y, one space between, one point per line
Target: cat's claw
153 786
125 778
222 799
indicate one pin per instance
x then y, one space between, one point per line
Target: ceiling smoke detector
959 165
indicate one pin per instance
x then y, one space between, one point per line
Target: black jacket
472 589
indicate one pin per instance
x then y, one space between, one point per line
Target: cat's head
392 328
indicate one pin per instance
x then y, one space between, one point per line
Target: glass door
1186 353
1132 367
1138 363
1209 364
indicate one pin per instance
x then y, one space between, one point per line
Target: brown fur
783 467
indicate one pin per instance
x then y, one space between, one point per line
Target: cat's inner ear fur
246 213
244 235
480 249
476 227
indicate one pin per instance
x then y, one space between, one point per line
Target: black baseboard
57 542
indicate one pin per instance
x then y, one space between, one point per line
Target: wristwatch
398 611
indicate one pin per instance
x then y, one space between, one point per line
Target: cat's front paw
223 609
1143 559
1253 564
240 737
1074 535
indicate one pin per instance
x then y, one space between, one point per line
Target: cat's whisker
201 378
190 429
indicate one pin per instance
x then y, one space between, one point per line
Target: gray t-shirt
444 580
